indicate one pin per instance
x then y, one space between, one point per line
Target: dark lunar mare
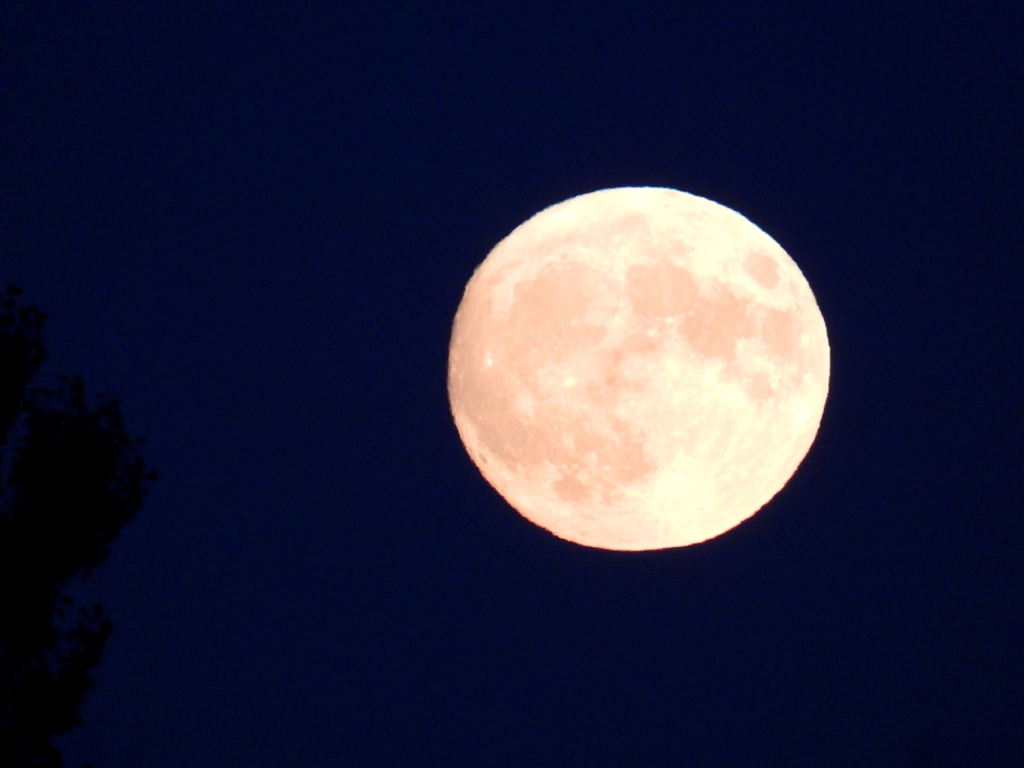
70 478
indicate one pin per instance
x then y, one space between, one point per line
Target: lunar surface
638 368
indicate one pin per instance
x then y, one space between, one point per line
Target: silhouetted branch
76 478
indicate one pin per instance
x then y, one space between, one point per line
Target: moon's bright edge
638 368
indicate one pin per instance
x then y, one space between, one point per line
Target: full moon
638 368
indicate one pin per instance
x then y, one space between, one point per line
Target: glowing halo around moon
638 368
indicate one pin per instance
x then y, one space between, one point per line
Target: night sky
255 223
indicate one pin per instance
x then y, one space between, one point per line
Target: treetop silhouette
70 478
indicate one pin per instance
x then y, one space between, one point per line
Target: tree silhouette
74 479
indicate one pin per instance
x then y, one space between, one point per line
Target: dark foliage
74 479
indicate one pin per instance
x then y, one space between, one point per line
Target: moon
638 368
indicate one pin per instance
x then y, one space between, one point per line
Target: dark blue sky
255 223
